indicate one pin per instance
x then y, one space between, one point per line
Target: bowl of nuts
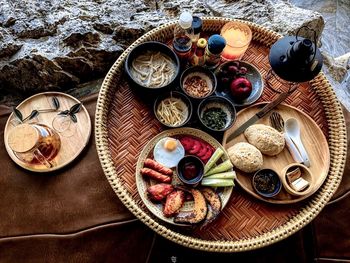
198 82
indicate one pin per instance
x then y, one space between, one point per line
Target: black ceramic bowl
212 104
157 47
190 170
252 74
267 183
186 103
203 73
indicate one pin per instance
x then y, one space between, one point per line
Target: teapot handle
41 158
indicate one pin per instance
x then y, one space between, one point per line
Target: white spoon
292 129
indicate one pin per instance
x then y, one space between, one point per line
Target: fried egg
168 152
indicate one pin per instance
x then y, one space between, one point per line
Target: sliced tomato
197 146
209 153
187 142
203 150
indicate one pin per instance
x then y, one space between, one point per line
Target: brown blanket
73 215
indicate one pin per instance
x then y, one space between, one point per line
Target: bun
245 157
267 139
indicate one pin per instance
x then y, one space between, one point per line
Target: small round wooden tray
71 146
313 139
143 183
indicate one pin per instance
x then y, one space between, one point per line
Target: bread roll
268 140
245 157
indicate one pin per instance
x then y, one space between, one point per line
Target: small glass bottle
183 34
216 44
198 57
197 29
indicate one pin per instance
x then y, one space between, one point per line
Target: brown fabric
331 229
117 242
75 198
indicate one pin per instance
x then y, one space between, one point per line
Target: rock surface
335 43
57 44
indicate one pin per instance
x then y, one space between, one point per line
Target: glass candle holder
64 125
238 36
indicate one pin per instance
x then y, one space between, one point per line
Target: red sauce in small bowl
190 170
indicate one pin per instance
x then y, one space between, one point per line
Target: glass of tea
238 36
34 144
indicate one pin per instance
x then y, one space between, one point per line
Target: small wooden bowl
306 175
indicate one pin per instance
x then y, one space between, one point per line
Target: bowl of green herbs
216 113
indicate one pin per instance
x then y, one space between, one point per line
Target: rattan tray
124 124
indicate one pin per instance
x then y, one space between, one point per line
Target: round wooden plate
71 146
143 183
312 137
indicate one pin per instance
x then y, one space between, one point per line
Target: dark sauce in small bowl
190 170
266 183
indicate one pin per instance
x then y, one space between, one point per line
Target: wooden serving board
71 146
313 139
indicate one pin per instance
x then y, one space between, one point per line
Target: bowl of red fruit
240 82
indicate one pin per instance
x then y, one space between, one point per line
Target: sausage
155 175
158 167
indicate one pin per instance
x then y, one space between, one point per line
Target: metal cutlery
267 108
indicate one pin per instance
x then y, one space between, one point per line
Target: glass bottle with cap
216 44
198 57
197 29
183 34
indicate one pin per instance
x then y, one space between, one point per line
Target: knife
268 107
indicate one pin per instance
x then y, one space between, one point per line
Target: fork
277 122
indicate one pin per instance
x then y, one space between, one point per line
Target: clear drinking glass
238 36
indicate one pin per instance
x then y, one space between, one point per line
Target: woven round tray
124 124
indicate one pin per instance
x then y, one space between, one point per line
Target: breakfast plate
143 183
252 74
313 139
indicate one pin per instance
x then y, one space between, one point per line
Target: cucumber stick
222 167
226 175
213 159
217 182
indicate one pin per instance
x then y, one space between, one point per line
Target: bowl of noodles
173 109
152 66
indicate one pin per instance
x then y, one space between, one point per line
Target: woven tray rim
337 145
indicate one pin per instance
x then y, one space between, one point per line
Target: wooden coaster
73 141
